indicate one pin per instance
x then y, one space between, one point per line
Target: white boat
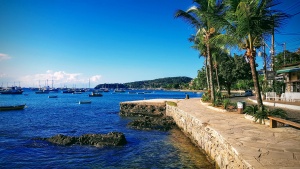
119 91
42 92
53 96
95 94
12 90
85 102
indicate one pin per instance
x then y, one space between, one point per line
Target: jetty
228 138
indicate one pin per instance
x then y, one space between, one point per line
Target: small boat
75 92
140 93
119 91
95 94
68 91
85 102
104 89
12 90
17 107
53 96
42 92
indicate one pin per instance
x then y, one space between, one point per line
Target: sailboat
119 90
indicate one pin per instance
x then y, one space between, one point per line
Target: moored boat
85 102
119 91
68 91
95 94
42 92
52 96
12 90
17 107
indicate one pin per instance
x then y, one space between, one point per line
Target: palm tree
203 17
249 21
200 46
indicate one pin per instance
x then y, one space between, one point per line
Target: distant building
291 75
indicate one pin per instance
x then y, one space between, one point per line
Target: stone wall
208 139
142 108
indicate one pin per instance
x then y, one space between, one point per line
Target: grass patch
171 103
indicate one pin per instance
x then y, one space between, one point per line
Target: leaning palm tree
249 21
203 16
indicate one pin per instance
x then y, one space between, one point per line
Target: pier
230 139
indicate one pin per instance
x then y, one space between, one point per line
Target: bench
271 95
292 96
274 120
231 108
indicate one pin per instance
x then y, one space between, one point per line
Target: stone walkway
258 145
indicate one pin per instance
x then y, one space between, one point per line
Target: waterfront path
258 145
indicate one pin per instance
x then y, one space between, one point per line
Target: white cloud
60 79
4 57
95 78
2 75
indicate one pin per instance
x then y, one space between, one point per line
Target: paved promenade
259 145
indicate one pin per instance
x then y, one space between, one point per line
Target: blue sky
72 41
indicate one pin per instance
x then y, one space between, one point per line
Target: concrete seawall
207 138
233 141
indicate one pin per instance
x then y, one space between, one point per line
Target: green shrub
226 103
206 96
171 103
278 113
263 113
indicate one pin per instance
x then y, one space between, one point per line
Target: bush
171 103
263 113
206 96
226 103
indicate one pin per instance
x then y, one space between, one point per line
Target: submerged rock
62 140
164 123
98 140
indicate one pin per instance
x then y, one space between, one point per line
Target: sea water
46 117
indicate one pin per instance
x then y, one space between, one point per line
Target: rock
164 123
98 140
62 140
142 109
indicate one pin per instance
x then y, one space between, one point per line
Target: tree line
225 24
181 82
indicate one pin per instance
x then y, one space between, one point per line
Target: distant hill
166 83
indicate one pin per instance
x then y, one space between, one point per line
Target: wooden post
273 123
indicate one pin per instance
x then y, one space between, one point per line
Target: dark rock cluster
98 140
164 123
151 116
143 109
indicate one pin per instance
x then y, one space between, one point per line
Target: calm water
45 117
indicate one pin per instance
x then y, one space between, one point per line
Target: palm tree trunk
210 70
255 81
217 78
207 76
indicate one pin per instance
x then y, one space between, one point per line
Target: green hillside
166 83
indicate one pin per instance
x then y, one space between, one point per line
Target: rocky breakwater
98 140
150 113
143 108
